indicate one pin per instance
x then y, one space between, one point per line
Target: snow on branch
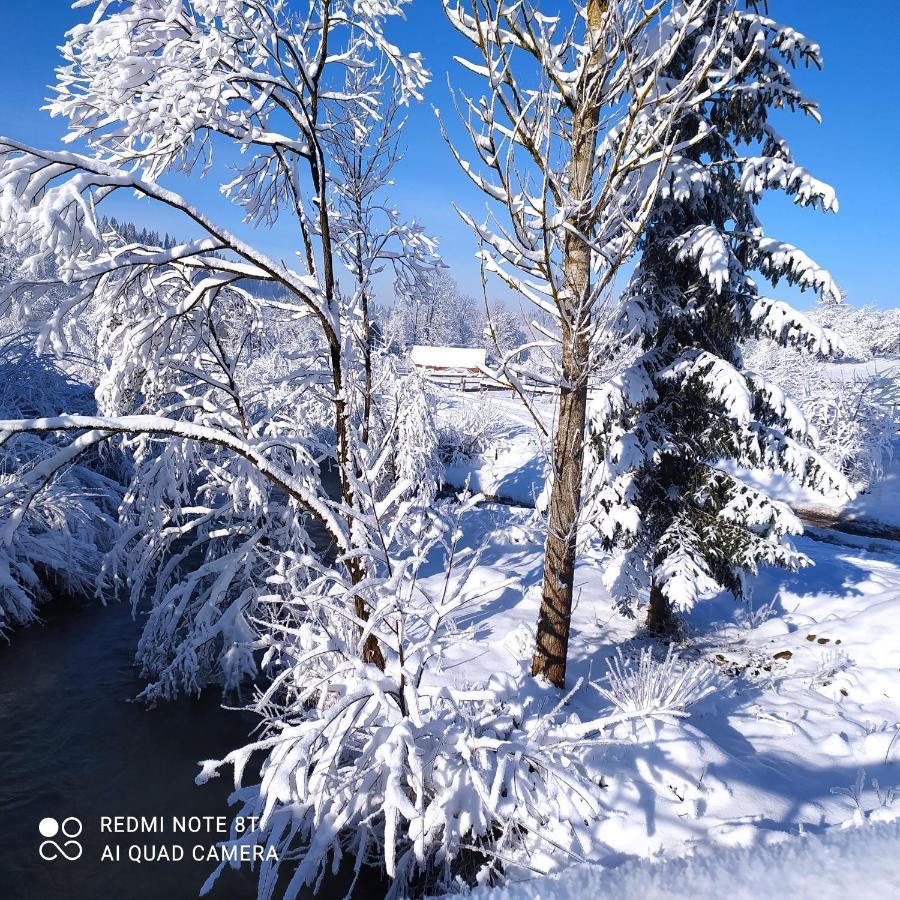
56 527
761 173
105 426
778 259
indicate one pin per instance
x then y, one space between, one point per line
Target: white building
450 365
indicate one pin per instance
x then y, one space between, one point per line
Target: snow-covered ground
879 506
839 864
801 737
513 470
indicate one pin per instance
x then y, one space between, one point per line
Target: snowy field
828 867
809 695
801 737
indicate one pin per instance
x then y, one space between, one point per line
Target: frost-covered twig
656 689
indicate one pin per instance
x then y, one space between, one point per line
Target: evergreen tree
681 525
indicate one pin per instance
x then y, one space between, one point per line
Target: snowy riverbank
513 469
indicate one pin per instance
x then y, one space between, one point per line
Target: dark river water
73 744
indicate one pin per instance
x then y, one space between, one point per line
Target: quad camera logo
60 840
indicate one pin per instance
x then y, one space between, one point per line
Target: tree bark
554 621
555 618
661 618
371 651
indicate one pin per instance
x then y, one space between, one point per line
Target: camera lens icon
69 849
49 828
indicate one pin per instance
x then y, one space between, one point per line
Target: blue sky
855 149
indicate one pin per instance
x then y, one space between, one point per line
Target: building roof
448 357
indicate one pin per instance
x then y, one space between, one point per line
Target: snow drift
832 865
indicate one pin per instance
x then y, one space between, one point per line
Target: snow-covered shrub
853 415
887 340
654 689
57 504
397 768
441 784
469 432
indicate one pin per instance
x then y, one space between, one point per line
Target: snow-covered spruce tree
683 526
570 139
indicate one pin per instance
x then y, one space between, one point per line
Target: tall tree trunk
554 621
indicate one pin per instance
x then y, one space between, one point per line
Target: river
74 744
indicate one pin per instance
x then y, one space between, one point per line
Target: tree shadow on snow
836 573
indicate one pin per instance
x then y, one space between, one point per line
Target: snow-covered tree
851 409
433 311
131 234
887 342
505 330
865 331
58 528
370 234
219 468
681 525
571 137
